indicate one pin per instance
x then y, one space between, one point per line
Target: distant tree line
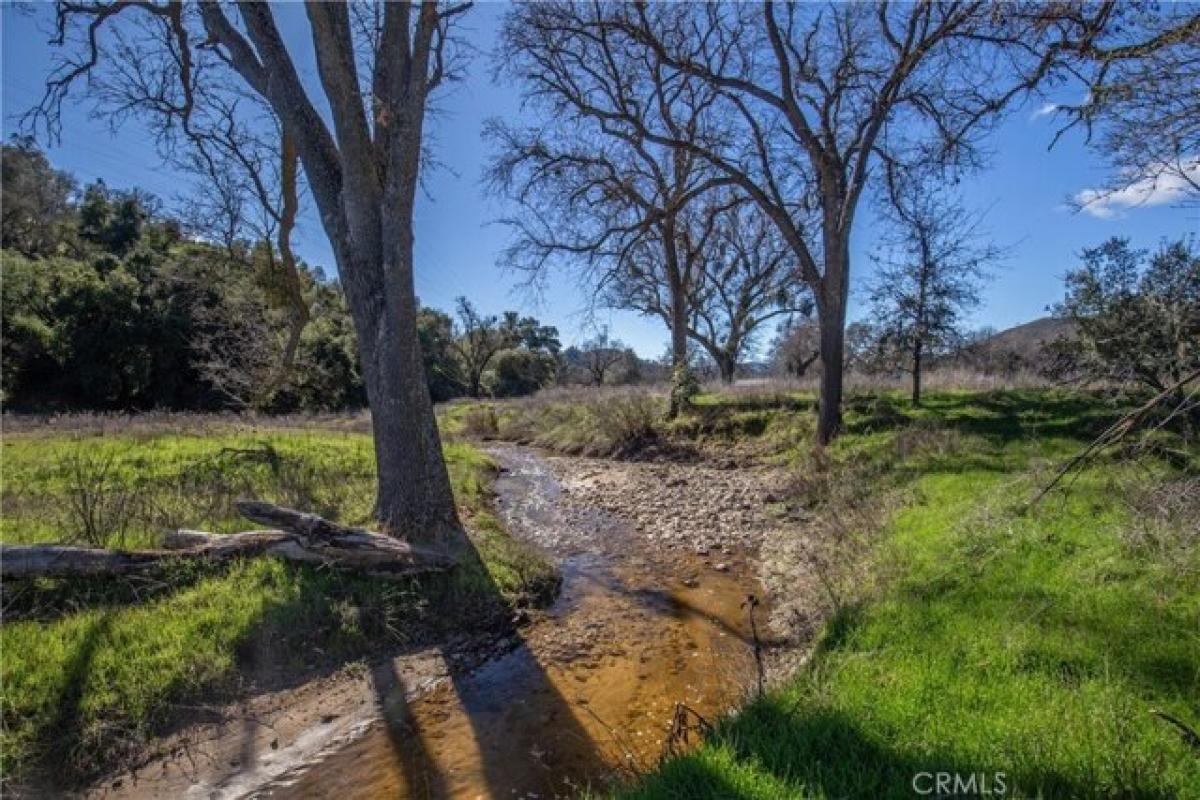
109 303
1130 317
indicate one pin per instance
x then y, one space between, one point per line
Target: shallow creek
589 693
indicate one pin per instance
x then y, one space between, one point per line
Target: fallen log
304 538
310 526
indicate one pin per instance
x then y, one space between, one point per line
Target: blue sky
1024 190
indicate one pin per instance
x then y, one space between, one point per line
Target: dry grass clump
927 441
823 561
100 508
619 423
1165 520
480 422
628 424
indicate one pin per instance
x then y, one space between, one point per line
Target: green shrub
684 387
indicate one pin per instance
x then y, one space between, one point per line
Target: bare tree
250 192
1140 68
741 276
477 340
592 194
376 78
929 268
864 353
234 343
602 356
820 95
796 347
749 278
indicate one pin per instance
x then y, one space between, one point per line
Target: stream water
589 693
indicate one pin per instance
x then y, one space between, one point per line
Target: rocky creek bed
658 562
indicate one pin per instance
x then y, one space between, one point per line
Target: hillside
1028 340
1022 347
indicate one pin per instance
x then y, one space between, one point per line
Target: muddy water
589 692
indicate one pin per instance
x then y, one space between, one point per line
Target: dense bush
1137 314
106 305
519 372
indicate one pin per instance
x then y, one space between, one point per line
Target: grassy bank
1025 647
629 422
90 669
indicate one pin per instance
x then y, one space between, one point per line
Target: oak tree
361 160
810 100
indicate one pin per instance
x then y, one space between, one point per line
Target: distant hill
1029 339
1019 347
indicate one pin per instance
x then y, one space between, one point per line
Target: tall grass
118 490
942 379
604 422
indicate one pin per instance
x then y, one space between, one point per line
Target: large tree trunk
831 310
829 418
679 314
727 367
413 500
679 329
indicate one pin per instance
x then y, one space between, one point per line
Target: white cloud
1171 186
1046 110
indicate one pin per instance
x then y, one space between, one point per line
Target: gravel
678 506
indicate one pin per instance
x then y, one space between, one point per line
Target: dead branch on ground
298 537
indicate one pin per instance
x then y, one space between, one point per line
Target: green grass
90 669
182 479
993 639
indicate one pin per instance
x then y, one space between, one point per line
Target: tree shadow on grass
1001 416
74 685
779 401
773 750
1091 644
48 599
1078 636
